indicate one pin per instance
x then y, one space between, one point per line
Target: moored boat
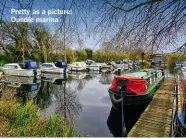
137 88
180 120
27 68
77 66
93 67
51 68
106 68
125 65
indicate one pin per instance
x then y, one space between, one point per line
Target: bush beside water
23 121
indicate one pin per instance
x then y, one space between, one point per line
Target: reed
18 120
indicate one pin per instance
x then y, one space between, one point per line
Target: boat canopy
29 64
119 62
60 64
129 84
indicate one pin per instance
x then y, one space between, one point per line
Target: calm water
83 97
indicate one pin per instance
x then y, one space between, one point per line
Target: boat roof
138 74
12 64
48 63
59 61
26 60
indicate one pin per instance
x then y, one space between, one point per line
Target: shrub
23 120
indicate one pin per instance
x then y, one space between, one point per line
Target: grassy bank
18 120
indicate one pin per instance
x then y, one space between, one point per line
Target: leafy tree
81 55
89 53
172 58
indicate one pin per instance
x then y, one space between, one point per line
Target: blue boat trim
48 72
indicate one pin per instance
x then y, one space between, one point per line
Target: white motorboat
27 68
77 66
94 67
107 68
51 68
125 65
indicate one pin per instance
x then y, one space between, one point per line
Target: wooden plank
156 119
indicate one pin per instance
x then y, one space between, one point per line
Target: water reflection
131 115
78 76
53 94
79 95
25 87
56 96
55 79
106 78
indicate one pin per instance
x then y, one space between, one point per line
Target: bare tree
149 24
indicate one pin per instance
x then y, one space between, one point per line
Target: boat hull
134 100
180 129
22 72
77 69
93 68
55 71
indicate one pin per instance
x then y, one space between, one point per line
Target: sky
14 12
81 19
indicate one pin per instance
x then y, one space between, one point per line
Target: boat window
15 67
47 65
22 65
63 63
148 82
125 62
33 64
10 67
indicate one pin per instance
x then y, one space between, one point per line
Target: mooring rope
123 118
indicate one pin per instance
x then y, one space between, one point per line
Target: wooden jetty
156 120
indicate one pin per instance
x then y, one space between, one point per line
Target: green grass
18 120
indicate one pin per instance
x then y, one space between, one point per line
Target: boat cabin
157 59
29 64
60 64
129 85
48 65
12 66
135 83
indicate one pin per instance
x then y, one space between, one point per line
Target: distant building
179 64
157 59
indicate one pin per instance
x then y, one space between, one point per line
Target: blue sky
90 39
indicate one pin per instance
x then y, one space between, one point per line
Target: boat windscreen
47 65
60 64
